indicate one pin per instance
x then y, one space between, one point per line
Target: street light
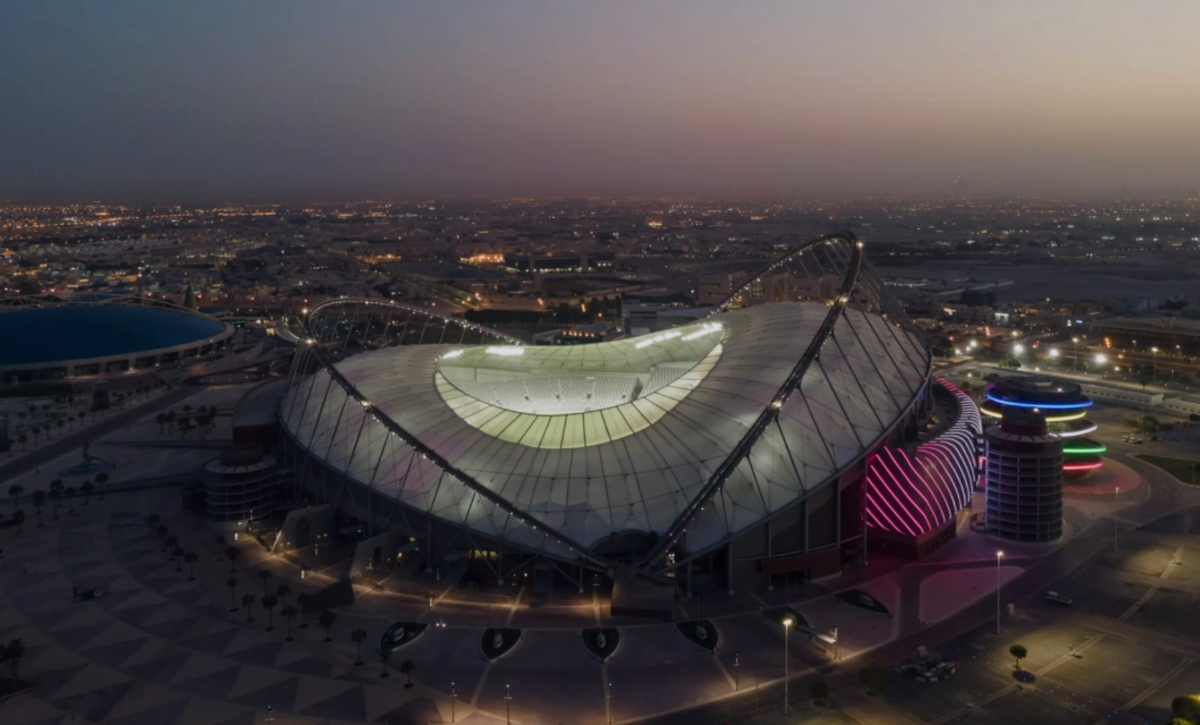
610 703
1117 500
1154 366
1018 349
508 704
999 556
453 697
1075 354
787 625
737 658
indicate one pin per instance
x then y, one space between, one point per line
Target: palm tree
177 554
385 654
265 575
406 669
232 583
161 419
18 519
248 603
302 600
39 500
15 491
358 636
326 620
152 521
190 558
289 613
268 603
220 546
11 654
69 494
101 479
170 542
282 591
23 440
86 489
232 553
56 490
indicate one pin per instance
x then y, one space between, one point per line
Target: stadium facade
727 453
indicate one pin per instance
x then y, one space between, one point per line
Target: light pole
508 704
1154 366
610 703
1116 500
453 697
1075 354
737 658
999 556
787 625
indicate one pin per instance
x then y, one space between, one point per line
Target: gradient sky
189 100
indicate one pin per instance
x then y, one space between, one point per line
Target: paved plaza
161 647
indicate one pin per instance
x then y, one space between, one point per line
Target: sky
171 100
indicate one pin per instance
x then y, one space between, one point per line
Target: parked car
1056 598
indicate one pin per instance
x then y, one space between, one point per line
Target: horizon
137 100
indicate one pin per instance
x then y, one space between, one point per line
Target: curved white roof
565 446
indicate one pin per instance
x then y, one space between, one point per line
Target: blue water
47 334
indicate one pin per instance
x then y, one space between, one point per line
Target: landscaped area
1181 468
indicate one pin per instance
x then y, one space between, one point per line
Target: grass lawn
1180 468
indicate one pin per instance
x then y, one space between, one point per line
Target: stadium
100 334
728 453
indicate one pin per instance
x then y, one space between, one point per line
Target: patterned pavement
157 649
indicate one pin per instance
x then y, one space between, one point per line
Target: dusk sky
186 101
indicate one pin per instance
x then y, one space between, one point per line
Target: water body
48 334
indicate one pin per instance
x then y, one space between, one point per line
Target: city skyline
136 101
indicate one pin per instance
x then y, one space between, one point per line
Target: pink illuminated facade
913 494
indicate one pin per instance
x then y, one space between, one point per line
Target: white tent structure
627 450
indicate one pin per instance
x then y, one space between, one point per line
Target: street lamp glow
1054 352
1101 358
787 626
999 556
1018 348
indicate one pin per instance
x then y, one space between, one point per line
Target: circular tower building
1023 477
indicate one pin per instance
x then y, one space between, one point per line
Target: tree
265 575
248 603
385 654
18 519
289 613
1186 708
12 654
268 603
220 546
282 591
69 495
326 620
101 479
15 492
302 600
358 636
1019 652
190 558
86 489
232 583
875 678
169 543
56 490
406 669
39 500
232 553
177 554
23 439
819 690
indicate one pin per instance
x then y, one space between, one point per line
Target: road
1159 496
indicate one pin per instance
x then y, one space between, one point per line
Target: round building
725 453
